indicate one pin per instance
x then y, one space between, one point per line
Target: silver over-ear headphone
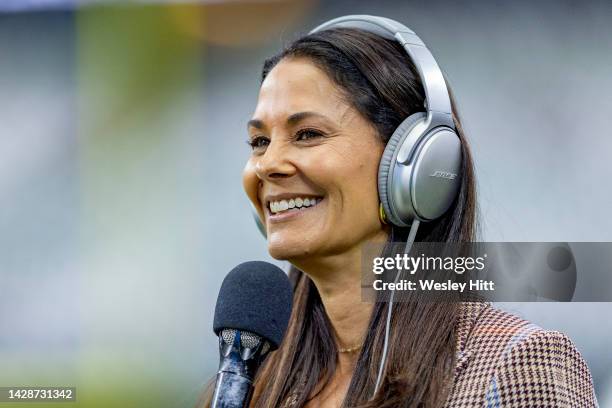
419 172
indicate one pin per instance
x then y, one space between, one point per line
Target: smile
293 204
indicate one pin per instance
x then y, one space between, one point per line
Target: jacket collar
469 313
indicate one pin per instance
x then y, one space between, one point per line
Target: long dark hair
377 78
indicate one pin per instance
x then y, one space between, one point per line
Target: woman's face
312 174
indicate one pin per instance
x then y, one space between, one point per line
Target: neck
338 281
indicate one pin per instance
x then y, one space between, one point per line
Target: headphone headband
436 94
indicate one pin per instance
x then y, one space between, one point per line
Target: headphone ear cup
434 175
388 158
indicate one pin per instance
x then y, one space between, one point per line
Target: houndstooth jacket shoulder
505 361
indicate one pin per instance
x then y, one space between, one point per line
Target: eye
307 134
258 142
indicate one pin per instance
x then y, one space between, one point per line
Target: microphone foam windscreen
257 297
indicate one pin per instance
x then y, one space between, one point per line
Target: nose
274 164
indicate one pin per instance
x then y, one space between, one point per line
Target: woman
327 106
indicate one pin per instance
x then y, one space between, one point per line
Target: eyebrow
291 120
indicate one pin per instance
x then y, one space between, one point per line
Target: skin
331 152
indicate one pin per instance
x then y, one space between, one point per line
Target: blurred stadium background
122 129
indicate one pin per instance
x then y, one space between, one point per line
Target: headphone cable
411 236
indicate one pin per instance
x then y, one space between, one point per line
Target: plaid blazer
505 361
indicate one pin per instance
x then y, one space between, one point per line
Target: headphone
419 172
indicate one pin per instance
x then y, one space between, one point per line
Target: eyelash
255 142
314 132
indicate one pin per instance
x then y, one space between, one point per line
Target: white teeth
298 202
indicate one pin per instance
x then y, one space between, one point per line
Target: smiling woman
328 108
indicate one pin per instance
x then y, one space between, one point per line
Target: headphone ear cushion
388 158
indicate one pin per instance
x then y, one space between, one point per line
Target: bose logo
443 174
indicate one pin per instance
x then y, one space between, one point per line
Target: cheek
250 183
360 194
350 181
357 185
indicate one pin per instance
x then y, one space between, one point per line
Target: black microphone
251 316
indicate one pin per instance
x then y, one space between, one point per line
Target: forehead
296 84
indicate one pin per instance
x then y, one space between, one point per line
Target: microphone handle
232 391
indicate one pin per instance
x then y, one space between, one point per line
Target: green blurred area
134 65
102 380
131 61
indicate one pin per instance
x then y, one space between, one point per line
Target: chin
286 249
